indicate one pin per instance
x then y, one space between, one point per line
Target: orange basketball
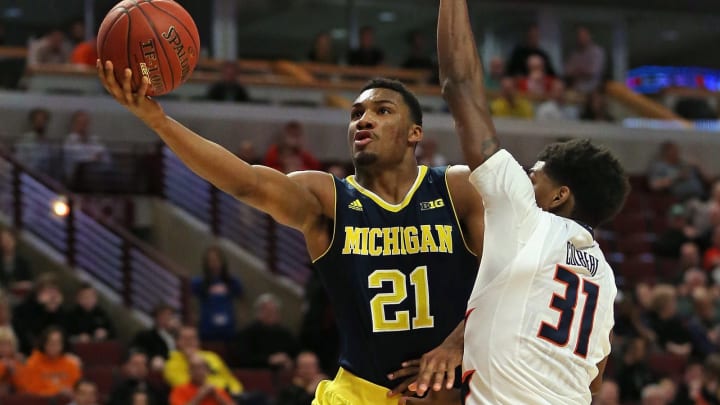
155 38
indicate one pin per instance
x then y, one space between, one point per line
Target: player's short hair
595 177
410 100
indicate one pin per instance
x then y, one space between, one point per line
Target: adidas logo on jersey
356 205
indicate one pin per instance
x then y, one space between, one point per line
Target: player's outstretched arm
461 78
262 187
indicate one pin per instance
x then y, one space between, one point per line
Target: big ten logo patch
431 205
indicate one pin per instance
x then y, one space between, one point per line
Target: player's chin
364 158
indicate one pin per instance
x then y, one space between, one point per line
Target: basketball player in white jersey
540 315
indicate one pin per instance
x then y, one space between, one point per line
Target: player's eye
356 114
384 110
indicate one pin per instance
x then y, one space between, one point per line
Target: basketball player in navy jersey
393 243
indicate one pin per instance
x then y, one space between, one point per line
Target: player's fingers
402 387
438 380
427 370
100 72
145 83
127 86
110 82
450 380
403 372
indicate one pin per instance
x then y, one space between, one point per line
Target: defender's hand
138 103
409 372
443 397
437 367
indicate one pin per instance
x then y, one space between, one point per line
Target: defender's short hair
410 100
594 175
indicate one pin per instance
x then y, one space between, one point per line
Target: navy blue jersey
398 275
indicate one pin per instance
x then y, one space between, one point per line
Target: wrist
158 124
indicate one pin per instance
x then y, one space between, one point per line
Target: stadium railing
280 247
140 276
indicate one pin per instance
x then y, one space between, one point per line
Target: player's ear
562 195
416 134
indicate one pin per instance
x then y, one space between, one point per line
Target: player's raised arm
259 186
461 77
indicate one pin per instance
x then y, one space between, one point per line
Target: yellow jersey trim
457 220
384 204
332 239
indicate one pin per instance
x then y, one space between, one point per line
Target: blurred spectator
10 359
216 290
134 380
671 333
85 53
15 274
537 83
304 383
671 173
677 233
689 390
83 148
38 311
246 151
706 215
49 371
177 368
76 33
5 311
139 398
494 73
288 154
322 49
198 390
33 148
695 108
51 48
518 62
337 169
87 321
85 393
228 88
710 392
418 57
693 279
319 331
609 394
654 394
629 319
266 343
711 258
555 107
510 104
633 373
689 256
703 327
596 108
367 54
427 153
159 341
586 65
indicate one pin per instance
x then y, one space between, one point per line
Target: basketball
157 39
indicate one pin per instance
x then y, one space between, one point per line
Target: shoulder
320 184
466 199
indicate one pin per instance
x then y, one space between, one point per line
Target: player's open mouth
363 138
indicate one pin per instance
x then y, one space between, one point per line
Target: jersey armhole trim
332 239
457 220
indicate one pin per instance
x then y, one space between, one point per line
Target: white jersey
541 311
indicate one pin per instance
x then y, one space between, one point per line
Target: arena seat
667 364
109 353
24 399
638 269
256 380
103 376
636 243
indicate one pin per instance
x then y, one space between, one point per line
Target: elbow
451 86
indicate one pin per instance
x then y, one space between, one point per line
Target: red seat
103 377
661 204
92 354
256 380
638 269
625 224
667 364
24 399
219 348
635 244
668 269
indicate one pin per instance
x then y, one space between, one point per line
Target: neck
391 185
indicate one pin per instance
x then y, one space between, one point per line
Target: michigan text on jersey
398 240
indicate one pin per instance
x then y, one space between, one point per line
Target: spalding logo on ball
154 38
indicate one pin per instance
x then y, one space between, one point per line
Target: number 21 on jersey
400 321
560 334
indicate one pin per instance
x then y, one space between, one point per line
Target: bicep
596 383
